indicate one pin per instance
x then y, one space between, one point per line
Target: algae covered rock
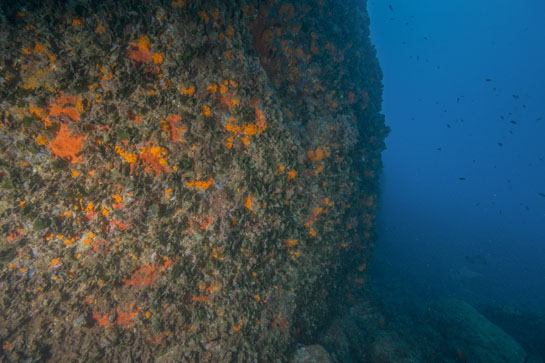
183 180
471 335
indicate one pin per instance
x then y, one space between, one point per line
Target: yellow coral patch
248 203
189 91
206 111
158 58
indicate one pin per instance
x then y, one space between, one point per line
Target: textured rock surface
471 335
183 180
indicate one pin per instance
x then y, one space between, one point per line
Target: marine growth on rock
184 180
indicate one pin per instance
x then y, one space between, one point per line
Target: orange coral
158 58
260 120
212 88
206 111
140 52
200 184
147 274
228 100
114 223
248 203
250 129
290 243
56 109
204 223
101 320
175 130
126 317
189 91
154 158
292 174
318 154
66 145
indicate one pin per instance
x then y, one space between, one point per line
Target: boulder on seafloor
362 335
470 335
311 354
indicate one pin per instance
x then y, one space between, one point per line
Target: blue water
464 89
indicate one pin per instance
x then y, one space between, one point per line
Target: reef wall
183 180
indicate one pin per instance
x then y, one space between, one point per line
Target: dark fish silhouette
391 7
462 178
448 125
516 97
513 122
500 144
488 80
541 194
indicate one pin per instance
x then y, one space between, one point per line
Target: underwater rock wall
183 180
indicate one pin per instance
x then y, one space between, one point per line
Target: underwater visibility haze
272 181
463 208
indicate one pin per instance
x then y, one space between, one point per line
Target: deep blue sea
463 187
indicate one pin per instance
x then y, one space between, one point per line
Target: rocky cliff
183 180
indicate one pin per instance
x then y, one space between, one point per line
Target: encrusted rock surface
183 180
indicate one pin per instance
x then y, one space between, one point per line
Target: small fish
513 122
500 144
462 178
541 194
438 149
448 125
489 80
516 97
391 7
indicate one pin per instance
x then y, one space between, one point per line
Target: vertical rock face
184 180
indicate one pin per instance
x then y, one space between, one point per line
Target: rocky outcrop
470 335
183 180
311 354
